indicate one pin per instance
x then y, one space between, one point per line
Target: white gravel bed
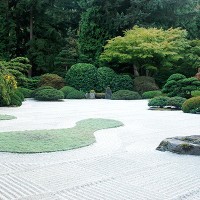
122 165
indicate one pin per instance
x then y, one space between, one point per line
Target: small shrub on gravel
49 95
26 92
158 102
125 95
52 80
176 102
151 94
192 105
41 88
66 90
76 95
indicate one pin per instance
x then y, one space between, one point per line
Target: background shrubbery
125 95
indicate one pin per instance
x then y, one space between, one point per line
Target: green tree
145 50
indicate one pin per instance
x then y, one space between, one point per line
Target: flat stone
189 145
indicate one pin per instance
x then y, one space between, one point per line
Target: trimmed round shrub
52 80
76 95
151 94
176 77
121 82
82 76
176 102
195 93
15 100
49 95
66 90
125 95
41 88
191 105
158 102
26 92
105 76
144 83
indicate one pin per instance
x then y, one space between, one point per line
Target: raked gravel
122 165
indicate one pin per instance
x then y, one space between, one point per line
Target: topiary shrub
66 90
179 85
15 100
52 80
76 95
125 95
121 82
82 76
151 94
26 92
105 76
49 95
176 77
191 105
176 102
41 88
144 83
158 102
195 93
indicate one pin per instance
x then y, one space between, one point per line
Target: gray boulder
189 145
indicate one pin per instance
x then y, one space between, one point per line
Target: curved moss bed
38 141
7 117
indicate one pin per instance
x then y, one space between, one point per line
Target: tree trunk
136 73
31 35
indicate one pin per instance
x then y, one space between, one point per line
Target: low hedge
192 105
49 95
176 102
26 92
66 90
39 89
158 102
151 94
76 95
125 95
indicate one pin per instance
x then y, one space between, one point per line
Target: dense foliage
151 94
125 95
192 105
66 90
176 102
179 85
143 84
49 95
52 80
158 101
82 76
75 94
